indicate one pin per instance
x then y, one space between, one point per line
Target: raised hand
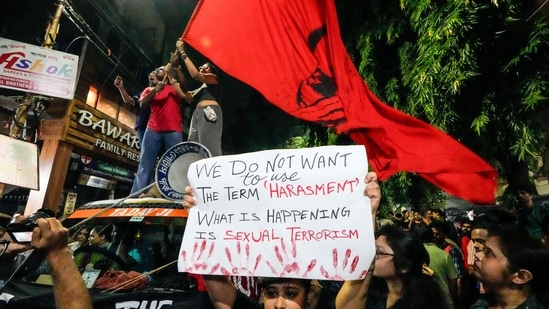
118 82
180 46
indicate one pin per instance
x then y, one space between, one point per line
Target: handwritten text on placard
294 213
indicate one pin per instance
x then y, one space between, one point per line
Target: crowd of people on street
497 260
420 266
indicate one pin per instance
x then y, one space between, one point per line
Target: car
151 228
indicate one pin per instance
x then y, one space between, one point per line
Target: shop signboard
39 70
99 168
92 130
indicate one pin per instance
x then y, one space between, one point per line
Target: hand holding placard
270 205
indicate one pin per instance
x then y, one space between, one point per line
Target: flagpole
22 110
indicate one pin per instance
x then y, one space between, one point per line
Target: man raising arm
51 237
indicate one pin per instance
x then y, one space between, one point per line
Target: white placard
36 69
19 162
297 213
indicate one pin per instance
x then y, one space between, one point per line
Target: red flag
291 52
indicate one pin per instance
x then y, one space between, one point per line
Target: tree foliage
478 70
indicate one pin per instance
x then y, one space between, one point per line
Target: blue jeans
206 132
140 135
150 148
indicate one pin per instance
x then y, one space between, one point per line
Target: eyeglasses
203 67
380 254
159 69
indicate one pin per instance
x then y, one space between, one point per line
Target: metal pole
53 28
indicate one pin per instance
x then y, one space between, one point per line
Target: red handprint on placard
196 262
242 268
289 265
345 266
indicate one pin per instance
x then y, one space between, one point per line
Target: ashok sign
38 70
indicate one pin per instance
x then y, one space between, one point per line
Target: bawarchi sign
296 213
93 130
37 70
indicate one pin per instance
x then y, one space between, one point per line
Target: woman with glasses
165 125
207 120
397 278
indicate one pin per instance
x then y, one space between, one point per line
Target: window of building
127 117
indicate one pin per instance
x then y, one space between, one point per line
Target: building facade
88 147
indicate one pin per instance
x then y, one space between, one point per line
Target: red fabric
292 53
464 242
200 285
165 111
117 279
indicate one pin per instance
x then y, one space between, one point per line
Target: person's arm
452 279
353 293
180 90
70 292
148 95
174 61
221 290
126 97
193 71
373 191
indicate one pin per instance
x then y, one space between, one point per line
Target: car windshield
142 240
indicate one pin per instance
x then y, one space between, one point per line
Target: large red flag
291 52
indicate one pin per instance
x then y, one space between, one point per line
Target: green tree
478 70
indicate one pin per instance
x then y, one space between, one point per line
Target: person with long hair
80 239
207 120
398 277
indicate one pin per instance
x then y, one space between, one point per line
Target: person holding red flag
207 121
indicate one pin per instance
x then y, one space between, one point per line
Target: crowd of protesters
502 265
494 261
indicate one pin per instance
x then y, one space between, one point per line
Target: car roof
131 207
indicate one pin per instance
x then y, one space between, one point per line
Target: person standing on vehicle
165 126
207 121
132 101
